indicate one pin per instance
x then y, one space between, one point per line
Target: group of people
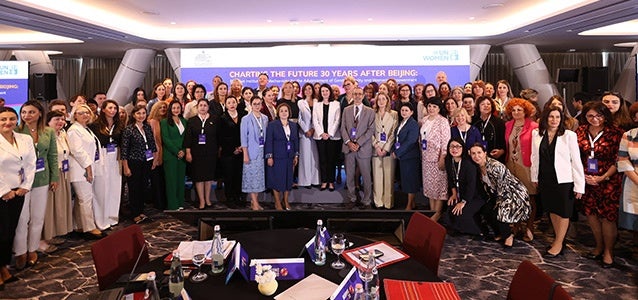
484 159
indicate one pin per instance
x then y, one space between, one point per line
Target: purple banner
457 75
14 91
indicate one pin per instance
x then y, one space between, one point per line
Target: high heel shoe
550 255
529 236
505 245
593 256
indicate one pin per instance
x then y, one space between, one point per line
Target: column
531 70
478 53
130 74
5 54
626 83
40 63
174 57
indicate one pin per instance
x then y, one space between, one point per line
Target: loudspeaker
595 80
567 75
44 86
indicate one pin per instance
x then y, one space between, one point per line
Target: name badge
110 148
288 146
201 139
261 141
397 145
97 154
353 133
39 165
424 144
592 165
21 175
484 142
149 154
383 137
65 165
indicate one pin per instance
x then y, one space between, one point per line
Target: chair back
424 241
116 254
532 283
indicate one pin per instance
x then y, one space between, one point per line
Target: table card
238 262
385 254
403 289
284 268
313 287
345 290
310 245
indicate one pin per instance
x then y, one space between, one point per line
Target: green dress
174 168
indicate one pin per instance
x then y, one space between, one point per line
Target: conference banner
14 82
327 64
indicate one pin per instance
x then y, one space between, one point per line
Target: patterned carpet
479 269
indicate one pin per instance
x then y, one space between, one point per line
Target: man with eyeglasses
357 128
345 99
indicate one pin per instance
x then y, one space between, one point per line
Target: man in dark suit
357 128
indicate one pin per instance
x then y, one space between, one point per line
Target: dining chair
530 282
424 241
116 254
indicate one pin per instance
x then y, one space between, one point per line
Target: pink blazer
525 139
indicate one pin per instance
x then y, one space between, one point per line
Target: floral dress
436 133
603 199
628 162
512 200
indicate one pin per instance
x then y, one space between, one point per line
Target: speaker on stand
595 80
43 86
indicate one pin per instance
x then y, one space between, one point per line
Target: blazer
266 111
249 130
365 130
525 138
334 119
172 140
276 140
408 139
388 125
305 115
82 144
46 148
470 188
568 165
13 160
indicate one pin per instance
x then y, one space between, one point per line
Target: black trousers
327 150
233 167
138 185
158 188
9 216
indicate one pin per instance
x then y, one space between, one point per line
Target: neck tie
356 114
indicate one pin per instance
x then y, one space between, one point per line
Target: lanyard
111 133
203 123
402 124
261 127
485 124
143 135
592 142
456 174
463 136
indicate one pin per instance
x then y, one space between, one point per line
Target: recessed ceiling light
52 52
317 21
370 19
173 23
471 18
294 21
150 13
492 5
89 37
269 21
572 50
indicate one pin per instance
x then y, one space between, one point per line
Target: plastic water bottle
217 257
176 280
373 285
320 249
151 288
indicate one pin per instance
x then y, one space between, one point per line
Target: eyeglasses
456 146
597 116
81 113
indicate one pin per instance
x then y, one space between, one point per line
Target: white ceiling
110 27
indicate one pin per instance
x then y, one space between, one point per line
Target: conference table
285 243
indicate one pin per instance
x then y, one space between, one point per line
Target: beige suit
383 167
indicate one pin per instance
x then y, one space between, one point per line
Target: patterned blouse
512 201
133 144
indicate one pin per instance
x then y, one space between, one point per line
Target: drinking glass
338 244
198 260
368 263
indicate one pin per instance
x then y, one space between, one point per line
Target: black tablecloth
286 243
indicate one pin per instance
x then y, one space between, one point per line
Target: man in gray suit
357 128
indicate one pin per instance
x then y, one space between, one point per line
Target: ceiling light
626 45
492 5
150 13
269 21
471 18
569 30
370 19
52 52
293 21
173 23
317 21
624 28
571 50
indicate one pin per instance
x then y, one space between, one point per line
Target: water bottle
320 249
359 293
373 285
151 288
176 280
217 257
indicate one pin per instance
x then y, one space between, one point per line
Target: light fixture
492 5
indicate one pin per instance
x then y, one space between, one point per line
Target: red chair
532 283
424 241
115 255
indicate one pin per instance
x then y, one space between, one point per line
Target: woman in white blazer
326 120
83 145
558 172
17 158
308 155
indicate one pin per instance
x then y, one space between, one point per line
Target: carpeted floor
479 269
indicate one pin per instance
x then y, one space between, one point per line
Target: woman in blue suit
406 150
253 138
282 154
